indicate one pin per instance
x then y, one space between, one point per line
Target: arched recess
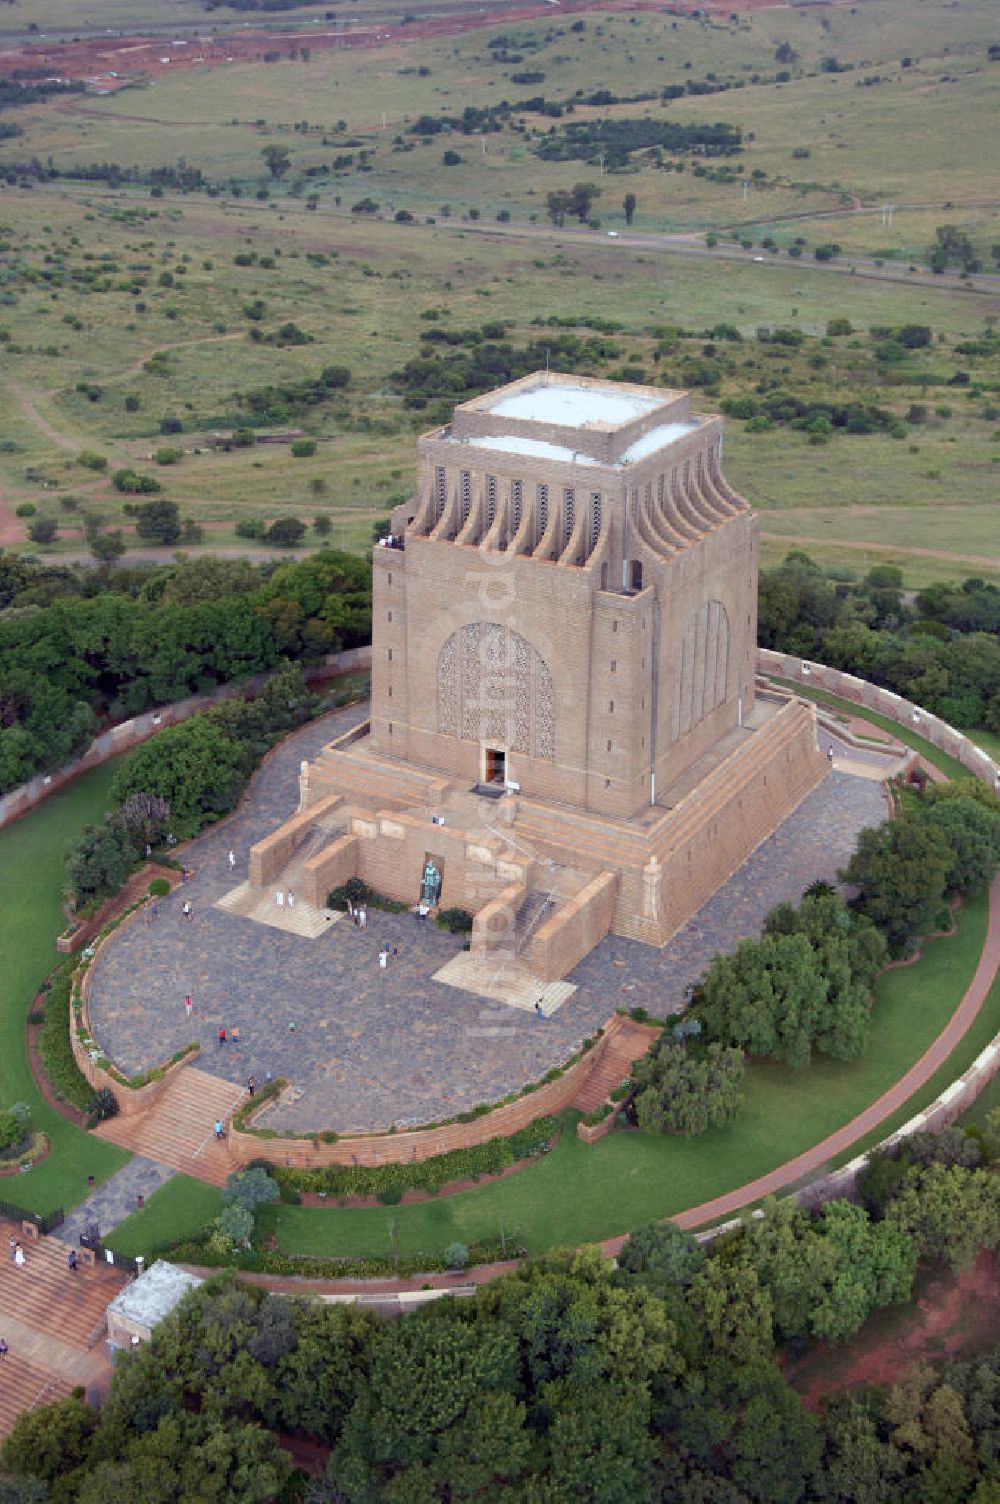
702 668
492 686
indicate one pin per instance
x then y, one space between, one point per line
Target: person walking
232 861
19 1258
538 1010
220 1132
13 1247
4 1349
383 959
188 1005
186 908
291 899
251 1083
279 898
363 916
222 1035
234 1034
71 1261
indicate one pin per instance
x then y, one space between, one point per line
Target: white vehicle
759 258
613 234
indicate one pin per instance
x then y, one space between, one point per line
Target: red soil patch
110 63
952 1316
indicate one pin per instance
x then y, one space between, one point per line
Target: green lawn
178 1210
31 878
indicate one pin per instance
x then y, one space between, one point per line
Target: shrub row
269 1261
427 1174
65 1076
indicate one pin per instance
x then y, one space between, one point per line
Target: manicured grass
179 1209
949 765
31 878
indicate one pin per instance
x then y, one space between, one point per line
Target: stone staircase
508 980
259 904
23 1386
628 1045
177 1129
50 1300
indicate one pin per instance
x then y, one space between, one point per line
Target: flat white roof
573 406
538 449
656 438
155 1293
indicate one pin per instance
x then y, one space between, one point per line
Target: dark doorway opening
496 766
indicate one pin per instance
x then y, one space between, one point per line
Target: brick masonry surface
370 1048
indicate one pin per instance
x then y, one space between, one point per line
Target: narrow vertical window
441 490
543 509
595 517
491 500
569 512
516 490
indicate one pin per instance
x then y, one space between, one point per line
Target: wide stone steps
511 982
23 1386
615 1064
260 905
178 1128
47 1297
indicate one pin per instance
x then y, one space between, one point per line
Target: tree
107 546
628 204
277 160
949 1212
286 532
733 1311
42 530
664 1255
250 1189
158 521
50 1440
900 870
101 861
972 833
765 997
146 817
682 1090
194 766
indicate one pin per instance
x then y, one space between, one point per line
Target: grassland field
356 284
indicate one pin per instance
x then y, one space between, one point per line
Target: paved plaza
364 1048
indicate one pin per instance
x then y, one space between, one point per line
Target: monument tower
565 736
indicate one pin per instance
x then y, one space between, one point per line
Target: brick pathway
371 1048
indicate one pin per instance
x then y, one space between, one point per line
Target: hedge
65 1076
425 1174
269 1261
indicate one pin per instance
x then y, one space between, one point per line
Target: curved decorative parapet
884 702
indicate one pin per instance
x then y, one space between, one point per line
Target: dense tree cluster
941 843
615 139
571 1381
943 651
73 654
805 985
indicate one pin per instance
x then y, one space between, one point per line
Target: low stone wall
493 926
269 856
400 1148
574 929
129 734
329 869
590 1133
132 1100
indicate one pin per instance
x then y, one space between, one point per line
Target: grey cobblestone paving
116 1199
366 1048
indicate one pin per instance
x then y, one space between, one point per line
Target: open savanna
141 300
